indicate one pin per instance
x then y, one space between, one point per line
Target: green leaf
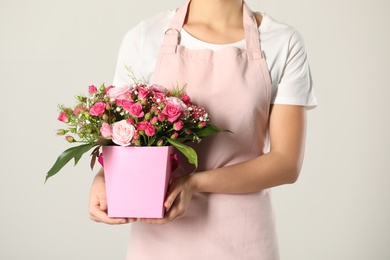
209 130
69 154
187 151
94 154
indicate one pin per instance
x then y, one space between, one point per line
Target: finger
98 213
176 211
101 216
103 204
172 194
92 217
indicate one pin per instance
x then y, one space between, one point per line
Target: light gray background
51 50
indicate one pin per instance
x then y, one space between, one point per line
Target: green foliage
69 154
142 110
186 150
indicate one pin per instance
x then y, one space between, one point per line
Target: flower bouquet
129 117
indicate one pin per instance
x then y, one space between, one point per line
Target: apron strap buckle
172 36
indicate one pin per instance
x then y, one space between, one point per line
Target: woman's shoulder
272 28
278 35
158 20
154 25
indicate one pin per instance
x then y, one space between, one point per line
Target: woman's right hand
98 203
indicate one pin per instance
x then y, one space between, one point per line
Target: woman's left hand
179 194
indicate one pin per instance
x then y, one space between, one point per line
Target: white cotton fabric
282 45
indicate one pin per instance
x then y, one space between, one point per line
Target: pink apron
234 86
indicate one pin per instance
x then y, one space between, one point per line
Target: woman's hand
98 203
179 195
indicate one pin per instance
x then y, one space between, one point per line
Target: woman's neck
217 14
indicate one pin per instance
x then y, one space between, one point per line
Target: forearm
269 170
281 165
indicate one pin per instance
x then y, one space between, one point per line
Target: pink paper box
136 180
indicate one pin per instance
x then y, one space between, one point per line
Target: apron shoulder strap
172 35
252 35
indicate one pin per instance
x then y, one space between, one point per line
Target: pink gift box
136 180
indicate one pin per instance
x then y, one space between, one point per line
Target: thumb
103 204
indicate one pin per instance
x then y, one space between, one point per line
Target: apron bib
234 86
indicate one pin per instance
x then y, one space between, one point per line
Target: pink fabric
234 86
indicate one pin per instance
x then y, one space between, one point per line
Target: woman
252 75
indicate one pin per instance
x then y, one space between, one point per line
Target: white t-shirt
282 45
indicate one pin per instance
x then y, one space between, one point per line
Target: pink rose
130 121
70 139
154 120
143 92
178 125
178 102
126 104
150 130
97 109
106 131
108 88
63 117
136 110
172 111
77 109
158 97
186 99
174 108
122 133
160 117
157 88
119 92
92 89
142 125
174 135
201 125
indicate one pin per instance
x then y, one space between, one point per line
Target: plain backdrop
51 50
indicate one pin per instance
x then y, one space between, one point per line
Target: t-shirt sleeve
128 57
295 86
139 49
